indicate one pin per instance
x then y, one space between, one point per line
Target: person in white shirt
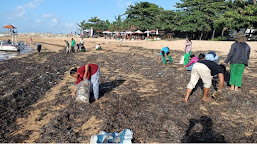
98 47
81 42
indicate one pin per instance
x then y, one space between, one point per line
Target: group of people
206 66
80 46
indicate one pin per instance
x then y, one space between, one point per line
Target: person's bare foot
206 99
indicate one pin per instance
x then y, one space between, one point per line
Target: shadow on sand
106 87
201 130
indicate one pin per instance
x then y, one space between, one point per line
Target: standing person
121 41
73 42
188 49
68 45
165 50
30 39
90 72
238 58
205 70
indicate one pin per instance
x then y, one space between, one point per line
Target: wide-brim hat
241 37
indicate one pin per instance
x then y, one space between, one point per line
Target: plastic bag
124 136
83 91
181 60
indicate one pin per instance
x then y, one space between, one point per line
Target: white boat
9 45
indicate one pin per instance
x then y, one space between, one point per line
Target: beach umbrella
107 32
129 32
116 32
9 26
86 30
138 32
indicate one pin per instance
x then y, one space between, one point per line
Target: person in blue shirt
165 50
212 56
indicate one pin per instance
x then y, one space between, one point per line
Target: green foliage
202 19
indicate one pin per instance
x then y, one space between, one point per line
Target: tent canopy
107 31
138 32
9 26
129 32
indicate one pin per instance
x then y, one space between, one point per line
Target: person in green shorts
73 42
165 50
238 58
188 49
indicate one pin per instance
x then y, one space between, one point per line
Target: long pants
236 74
72 49
164 59
200 70
95 83
187 58
67 49
189 68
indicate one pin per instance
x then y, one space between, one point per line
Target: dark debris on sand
155 115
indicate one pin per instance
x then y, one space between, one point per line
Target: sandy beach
136 93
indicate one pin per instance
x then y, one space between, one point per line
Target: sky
61 16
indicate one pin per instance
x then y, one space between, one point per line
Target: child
165 50
188 49
193 60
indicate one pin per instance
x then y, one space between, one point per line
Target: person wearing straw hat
238 58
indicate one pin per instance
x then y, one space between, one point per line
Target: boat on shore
10 45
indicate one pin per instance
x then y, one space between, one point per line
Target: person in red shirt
90 72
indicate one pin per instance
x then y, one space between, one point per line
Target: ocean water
7 55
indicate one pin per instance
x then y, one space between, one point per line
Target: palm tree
82 25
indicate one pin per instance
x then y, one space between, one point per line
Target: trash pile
124 137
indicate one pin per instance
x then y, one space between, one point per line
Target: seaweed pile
136 93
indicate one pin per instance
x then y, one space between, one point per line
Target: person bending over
205 70
165 50
90 72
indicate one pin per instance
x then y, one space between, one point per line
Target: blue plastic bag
124 136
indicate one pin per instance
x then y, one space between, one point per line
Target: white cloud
51 19
47 15
70 27
21 10
54 21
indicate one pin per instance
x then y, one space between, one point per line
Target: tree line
199 19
